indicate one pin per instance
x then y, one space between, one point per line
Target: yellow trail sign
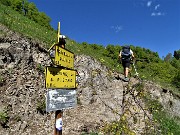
60 78
63 57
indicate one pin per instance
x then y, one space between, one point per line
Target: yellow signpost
60 78
59 26
59 55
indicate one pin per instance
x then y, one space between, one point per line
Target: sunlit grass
21 24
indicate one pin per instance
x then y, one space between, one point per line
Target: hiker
61 43
125 55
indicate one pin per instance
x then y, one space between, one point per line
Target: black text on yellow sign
64 58
60 78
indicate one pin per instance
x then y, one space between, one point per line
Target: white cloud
157 14
153 14
157 6
117 28
149 3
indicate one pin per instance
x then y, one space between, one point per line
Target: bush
41 107
4 118
2 81
167 124
40 68
176 79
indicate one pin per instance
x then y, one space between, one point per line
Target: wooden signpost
60 81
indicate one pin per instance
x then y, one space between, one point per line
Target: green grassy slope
21 24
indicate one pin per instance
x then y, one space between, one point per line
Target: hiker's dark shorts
126 64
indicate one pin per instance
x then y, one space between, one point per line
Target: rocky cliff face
102 96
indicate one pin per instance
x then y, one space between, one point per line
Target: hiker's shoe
126 79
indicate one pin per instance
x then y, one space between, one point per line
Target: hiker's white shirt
59 124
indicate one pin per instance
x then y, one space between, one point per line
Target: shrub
40 68
41 107
167 124
4 118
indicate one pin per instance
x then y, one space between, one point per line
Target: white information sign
58 99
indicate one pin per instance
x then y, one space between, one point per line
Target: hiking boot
126 79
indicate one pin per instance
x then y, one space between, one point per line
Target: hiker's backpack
126 53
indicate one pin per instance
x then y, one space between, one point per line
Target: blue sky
152 24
